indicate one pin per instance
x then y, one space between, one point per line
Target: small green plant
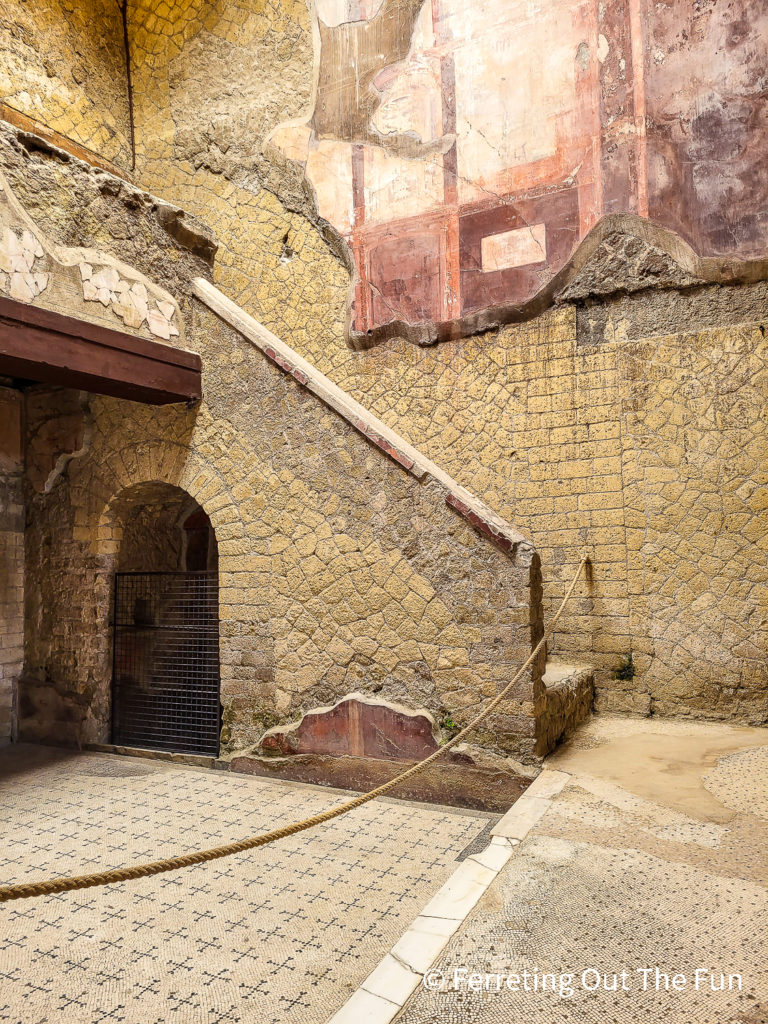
626 669
449 726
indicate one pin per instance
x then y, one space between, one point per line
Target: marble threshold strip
386 990
389 441
390 985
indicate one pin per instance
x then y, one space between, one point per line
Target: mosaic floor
654 856
282 934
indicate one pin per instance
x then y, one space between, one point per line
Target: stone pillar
11 557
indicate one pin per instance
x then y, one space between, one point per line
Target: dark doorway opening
166 676
165 693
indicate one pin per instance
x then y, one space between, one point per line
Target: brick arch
160 463
148 517
163 688
120 470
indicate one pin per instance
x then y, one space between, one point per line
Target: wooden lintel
41 345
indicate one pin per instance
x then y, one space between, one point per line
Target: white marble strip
388 987
530 808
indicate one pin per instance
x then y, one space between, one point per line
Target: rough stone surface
78 206
625 263
635 315
11 555
80 282
457 781
339 571
552 422
536 424
63 64
569 699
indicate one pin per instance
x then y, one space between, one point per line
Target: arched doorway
165 679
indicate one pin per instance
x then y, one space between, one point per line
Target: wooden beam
54 138
41 345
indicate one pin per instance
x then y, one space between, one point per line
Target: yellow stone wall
200 145
648 450
338 570
694 429
549 432
63 64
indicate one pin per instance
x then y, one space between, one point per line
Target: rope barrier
26 890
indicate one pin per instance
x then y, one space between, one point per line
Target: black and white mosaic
283 934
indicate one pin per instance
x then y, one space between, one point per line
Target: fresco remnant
465 150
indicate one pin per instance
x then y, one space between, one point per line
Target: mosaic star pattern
283 934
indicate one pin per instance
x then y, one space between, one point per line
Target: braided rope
25 890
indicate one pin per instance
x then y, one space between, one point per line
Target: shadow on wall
158 544
161 528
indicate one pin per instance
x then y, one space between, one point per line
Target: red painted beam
38 344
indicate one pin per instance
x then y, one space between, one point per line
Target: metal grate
165 690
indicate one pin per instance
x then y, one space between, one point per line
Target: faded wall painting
465 149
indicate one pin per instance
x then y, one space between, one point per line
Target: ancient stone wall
537 419
551 422
570 702
63 64
694 444
204 147
590 437
11 555
74 205
339 571
149 518
650 451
